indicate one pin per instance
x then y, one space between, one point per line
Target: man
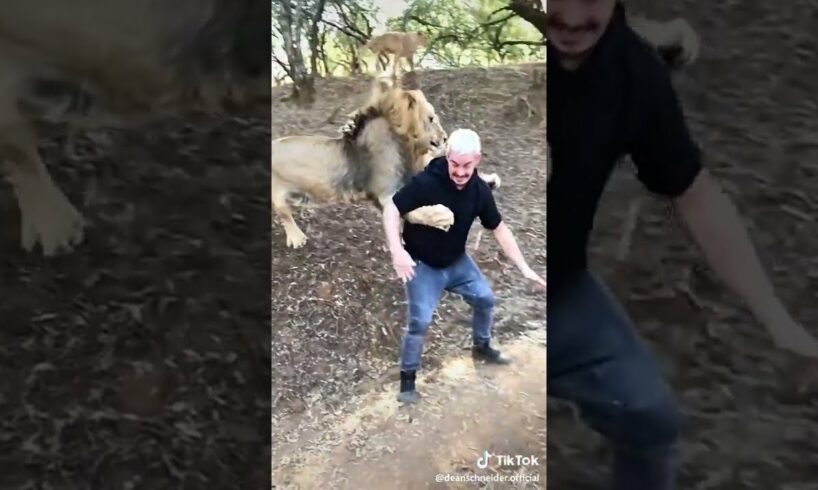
609 95
435 260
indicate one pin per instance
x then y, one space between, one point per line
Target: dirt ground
141 359
751 103
467 408
338 313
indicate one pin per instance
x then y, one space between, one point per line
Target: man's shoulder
643 60
424 176
424 179
418 187
484 192
482 186
644 75
439 161
428 176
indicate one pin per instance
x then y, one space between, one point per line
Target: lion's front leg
437 216
676 39
295 237
47 217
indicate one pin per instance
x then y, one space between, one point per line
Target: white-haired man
435 260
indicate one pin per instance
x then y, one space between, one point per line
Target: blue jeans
423 293
596 361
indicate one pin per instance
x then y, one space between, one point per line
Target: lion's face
428 126
413 117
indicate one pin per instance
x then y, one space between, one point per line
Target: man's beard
589 28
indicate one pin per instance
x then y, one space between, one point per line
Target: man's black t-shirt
619 102
432 246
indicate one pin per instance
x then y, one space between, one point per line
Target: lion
113 62
399 45
389 140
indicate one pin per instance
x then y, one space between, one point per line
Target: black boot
487 353
407 387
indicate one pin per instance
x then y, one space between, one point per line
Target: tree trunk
355 64
323 53
531 11
313 36
290 26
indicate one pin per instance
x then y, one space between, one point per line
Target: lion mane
385 142
410 116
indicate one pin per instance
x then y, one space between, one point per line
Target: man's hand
507 242
403 264
539 283
715 225
796 339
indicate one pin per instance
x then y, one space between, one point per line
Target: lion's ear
411 100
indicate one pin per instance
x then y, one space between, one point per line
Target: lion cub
398 44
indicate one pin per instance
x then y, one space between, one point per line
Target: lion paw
296 238
688 41
493 180
47 217
437 216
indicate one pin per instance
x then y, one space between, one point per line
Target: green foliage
460 33
348 25
470 32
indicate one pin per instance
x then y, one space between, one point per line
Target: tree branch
284 66
535 17
346 30
521 43
499 10
316 18
434 42
351 25
425 22
498 21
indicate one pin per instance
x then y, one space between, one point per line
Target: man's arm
391 225
669 164
508 244
715 225
491 219
401 260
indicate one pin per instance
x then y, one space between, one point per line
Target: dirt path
372 442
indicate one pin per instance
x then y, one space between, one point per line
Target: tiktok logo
483 462
506 460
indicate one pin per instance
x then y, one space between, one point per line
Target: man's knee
483 298
629 405
419 320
